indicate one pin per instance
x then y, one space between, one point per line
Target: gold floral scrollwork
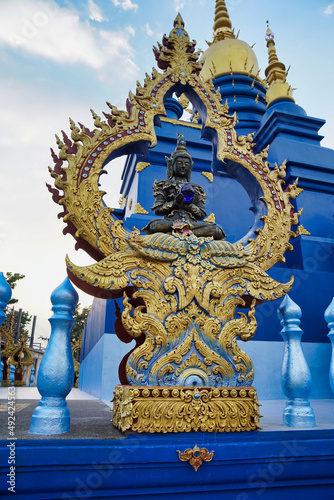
139 209
195 456
184 409
141 165
8 351
184 101
76 348
208 175
183 291
300 230
210 218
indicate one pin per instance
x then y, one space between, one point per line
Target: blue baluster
5 295
12 374
329 317
31 380
56 372
296 376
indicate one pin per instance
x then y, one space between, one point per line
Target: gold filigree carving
195 456
87 154
208 175
185 290
76 348
141 165
18 355
21 355
7 333
184 101
184 123
210 218
185 409
173 319
300 230
139 209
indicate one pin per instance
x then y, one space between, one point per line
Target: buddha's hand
178 202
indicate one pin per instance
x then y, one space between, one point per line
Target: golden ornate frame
180 293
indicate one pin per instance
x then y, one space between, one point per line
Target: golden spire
226 54
275 73
222 27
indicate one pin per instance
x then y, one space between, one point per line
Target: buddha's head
180 163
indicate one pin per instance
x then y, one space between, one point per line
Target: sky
59 59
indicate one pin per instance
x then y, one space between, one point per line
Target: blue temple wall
245 97
101 351
246 466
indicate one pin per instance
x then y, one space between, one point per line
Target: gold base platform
185 409
6 383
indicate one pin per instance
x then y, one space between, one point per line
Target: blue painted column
12 374
329 317
56 372
296 376
5 295
31 380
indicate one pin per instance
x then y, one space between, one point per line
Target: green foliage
80 317
12 279
25 321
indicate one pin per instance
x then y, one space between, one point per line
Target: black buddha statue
180 202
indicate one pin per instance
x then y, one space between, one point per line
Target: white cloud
329 10
46 30
178 5
126 4
95 13
148 29
31 240
130 30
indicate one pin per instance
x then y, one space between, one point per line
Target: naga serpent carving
181 289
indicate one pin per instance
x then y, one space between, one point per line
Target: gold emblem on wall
195 456
139 209
208 175
141 166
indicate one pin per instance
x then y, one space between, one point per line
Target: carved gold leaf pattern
139 209
210 218
183 409
208 175
141 165
78 180
189 288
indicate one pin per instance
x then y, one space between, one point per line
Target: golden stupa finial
278 87
222 27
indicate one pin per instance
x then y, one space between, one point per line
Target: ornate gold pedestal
6 383
185 409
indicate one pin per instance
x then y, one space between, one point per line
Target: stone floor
91 417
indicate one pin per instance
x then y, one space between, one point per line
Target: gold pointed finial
226 53
222 27
278 87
